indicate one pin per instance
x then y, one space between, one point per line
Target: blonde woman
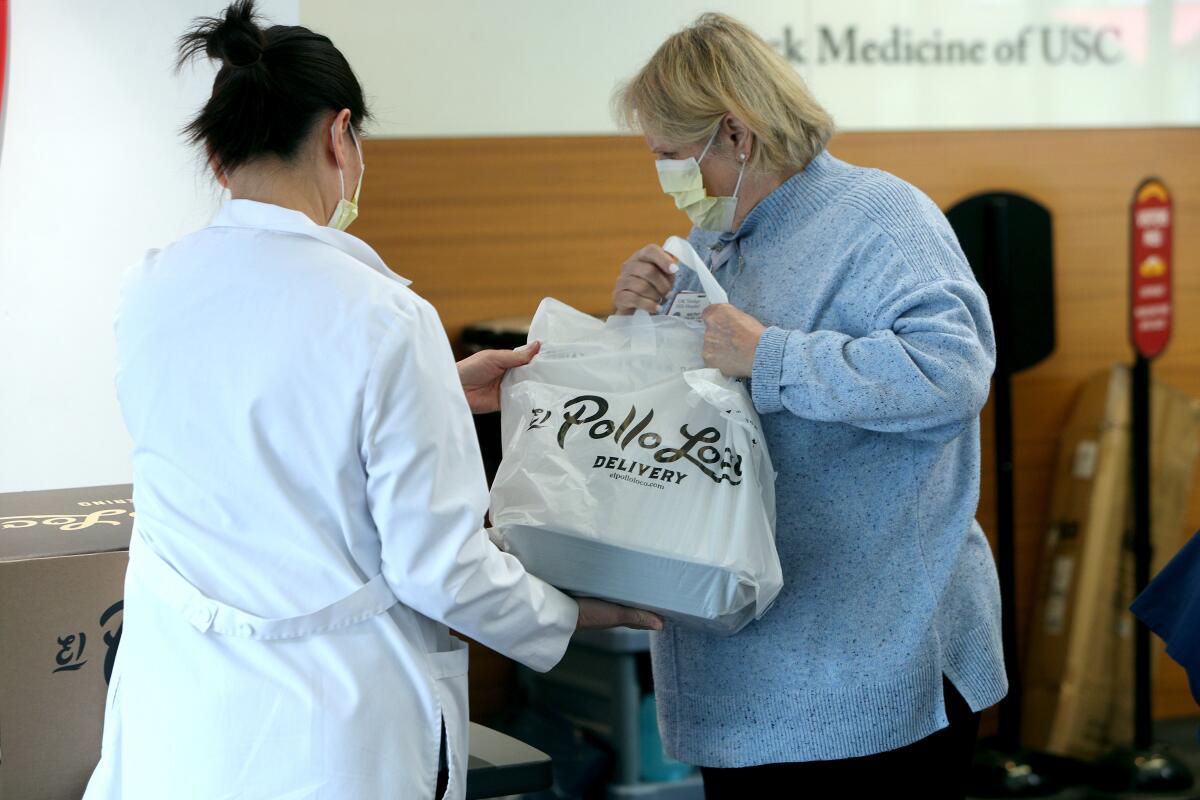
869 350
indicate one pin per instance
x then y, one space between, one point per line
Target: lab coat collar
266 216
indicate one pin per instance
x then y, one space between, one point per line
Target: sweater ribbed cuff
767 371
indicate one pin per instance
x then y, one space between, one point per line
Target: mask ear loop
337 156
711 139
741 172
362 164
357 146
741 158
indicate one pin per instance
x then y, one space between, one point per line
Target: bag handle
687 255
643 339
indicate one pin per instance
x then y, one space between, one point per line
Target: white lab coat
309 498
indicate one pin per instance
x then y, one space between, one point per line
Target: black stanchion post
1000 298
1143 550
1007 240
1144 767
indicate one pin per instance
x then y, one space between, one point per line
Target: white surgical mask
682 179
346 210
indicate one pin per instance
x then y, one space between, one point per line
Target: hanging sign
1150 310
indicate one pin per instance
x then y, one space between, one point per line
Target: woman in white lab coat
308 485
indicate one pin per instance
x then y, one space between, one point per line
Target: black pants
443 778
934 768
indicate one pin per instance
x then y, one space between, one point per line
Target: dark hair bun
233 38
238 40
274 84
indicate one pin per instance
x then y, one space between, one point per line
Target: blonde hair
716 66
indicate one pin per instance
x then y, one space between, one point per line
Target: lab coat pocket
449 672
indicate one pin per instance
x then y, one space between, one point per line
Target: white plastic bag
633 473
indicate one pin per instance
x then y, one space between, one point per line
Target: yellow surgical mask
346 210
682 179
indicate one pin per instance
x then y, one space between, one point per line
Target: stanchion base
1144 771
996 773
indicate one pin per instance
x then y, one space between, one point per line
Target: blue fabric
1170 606
869 382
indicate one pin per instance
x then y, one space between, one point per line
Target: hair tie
257 58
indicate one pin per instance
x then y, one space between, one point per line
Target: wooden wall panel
487 227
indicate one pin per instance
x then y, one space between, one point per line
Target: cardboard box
1078 666
1175 437
62 569
1068 665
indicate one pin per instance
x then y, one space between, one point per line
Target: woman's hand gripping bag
635 474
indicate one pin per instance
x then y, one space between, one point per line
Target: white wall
528 67
92 173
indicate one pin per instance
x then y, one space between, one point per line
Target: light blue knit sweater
869 382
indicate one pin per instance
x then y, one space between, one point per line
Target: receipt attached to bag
688 305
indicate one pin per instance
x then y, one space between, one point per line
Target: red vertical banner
3 56
1150 312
